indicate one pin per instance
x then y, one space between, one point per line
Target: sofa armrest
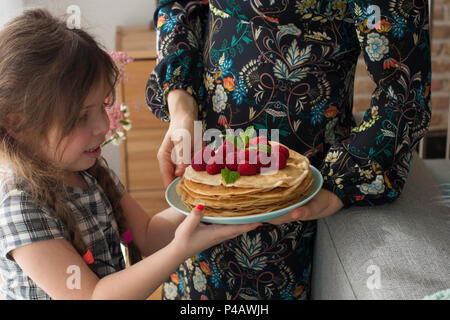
395 251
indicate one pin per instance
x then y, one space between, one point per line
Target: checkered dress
22 222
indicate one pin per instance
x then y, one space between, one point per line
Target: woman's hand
192 236
324 204
183 112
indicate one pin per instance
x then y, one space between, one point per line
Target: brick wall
440 85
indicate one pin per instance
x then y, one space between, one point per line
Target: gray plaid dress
22 222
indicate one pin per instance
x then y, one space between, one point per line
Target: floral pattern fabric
290 65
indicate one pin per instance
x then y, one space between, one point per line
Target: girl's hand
180 136
192 236
324 204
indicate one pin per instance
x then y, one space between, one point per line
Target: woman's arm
180 28
371 166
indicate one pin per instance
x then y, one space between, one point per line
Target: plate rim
250 218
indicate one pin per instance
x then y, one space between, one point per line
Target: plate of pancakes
256 198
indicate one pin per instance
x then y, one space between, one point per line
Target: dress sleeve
179 27
371 166
22 223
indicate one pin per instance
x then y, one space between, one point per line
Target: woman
290 65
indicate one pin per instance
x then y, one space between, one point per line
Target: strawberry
231 161
247 169
215 166
201 158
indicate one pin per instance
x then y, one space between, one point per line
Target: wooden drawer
142 165
134 94
153 202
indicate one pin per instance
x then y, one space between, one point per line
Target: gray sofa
395 251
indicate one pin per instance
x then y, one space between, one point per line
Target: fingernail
200 207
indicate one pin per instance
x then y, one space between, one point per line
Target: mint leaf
247 135
250 132
229 176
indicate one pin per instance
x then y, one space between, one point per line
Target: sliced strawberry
201 158
247 169
215 166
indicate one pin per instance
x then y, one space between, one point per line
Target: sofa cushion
393 251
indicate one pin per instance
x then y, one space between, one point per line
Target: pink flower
118 113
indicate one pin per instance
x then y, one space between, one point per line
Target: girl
63 213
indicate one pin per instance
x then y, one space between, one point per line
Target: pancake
248 195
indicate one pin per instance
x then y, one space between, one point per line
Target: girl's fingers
247 227
232 231
193 220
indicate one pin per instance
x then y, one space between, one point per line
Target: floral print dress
290 65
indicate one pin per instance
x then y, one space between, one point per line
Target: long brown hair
46 73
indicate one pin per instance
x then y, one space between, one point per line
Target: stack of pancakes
261 193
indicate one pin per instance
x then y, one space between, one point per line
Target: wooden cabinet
140 169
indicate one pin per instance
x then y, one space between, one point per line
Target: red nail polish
200 207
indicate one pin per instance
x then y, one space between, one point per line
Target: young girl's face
79 150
